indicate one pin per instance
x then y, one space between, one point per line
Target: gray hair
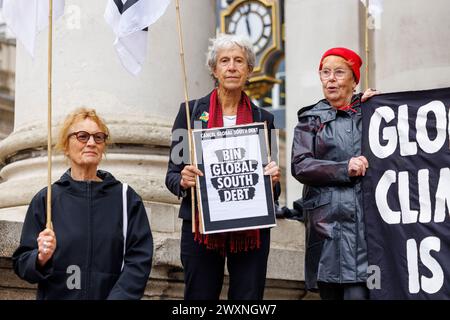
226 41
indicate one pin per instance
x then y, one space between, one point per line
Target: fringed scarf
238 240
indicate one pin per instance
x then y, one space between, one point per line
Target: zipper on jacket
341 223
357 233
340 242
90 231
355 256
355 196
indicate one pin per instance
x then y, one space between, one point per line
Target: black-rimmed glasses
83 136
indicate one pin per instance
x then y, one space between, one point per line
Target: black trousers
204 269
345 291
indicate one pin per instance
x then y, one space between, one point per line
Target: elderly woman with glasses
101 245
326 158
230 61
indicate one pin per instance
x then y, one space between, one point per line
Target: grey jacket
324 141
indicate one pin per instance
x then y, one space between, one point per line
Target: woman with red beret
326 158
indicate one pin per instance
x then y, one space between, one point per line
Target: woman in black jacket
230 60
101 245
326 158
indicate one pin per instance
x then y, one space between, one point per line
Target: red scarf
349 107
238 240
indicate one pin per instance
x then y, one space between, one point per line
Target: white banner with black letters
407 194
234 193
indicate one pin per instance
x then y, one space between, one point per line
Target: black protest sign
234 193
407 194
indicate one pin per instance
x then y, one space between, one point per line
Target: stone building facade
7 81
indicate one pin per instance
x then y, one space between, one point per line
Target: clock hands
252 19
247 21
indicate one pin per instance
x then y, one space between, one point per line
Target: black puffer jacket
324 141
87 220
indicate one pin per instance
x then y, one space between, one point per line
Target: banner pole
186 103
49 119
366 41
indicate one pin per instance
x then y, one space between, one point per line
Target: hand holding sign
273 170
369 93
188 176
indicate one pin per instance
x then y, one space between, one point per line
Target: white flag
128 18
375 10
26 18
375 7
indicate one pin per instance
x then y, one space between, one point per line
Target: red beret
349 55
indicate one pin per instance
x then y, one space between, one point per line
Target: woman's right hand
369 93
46 246
188 176
357 166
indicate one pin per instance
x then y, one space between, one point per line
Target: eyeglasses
326 74
83 136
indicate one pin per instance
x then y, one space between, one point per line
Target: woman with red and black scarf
327 159
230 60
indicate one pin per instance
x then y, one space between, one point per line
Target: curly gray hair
226 41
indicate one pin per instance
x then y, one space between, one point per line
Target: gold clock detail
259 21
253 20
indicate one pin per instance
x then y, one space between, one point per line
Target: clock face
254 20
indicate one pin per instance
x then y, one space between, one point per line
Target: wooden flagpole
366 41
49 119
186 103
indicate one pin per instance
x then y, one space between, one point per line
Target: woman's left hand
369 93
273 170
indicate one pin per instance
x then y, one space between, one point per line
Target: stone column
138 110
7 72
6 115
411 50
